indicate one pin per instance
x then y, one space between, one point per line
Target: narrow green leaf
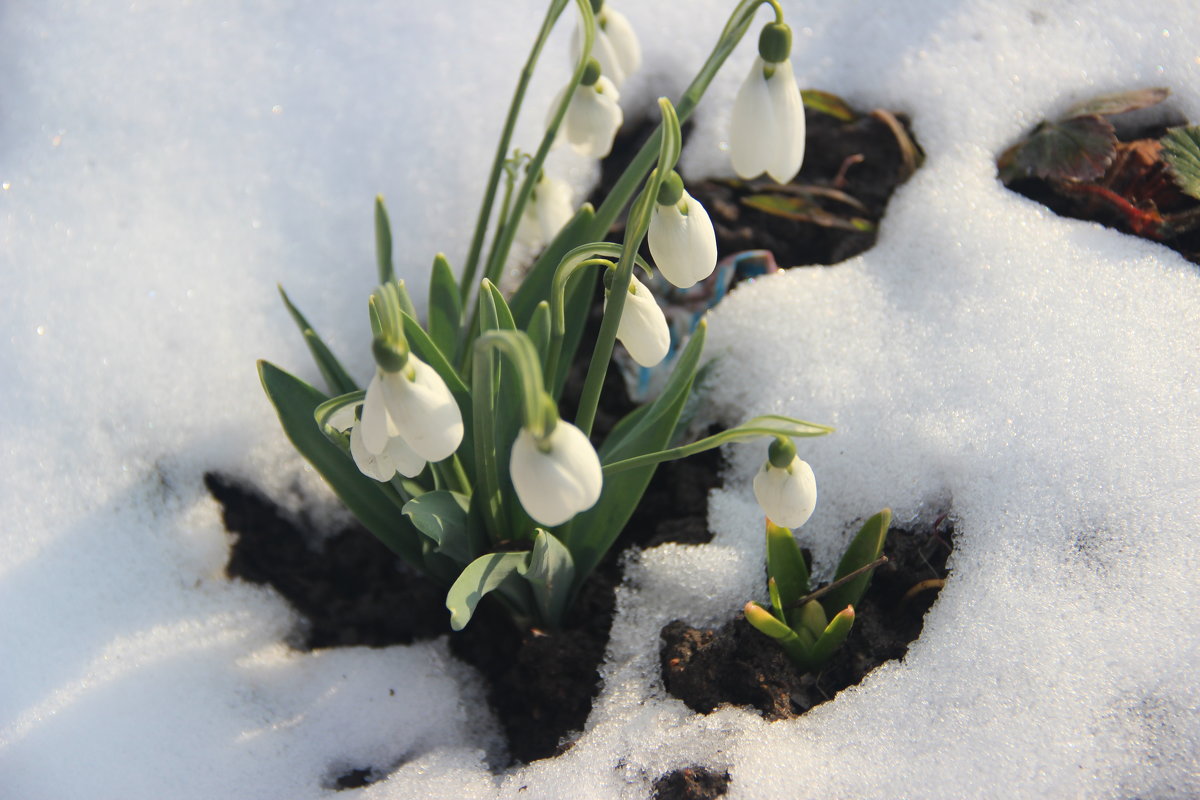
332 371
445 307
776 604
1181 151
865 548
483 575
785 564
443 517
1119 103
551 572
383 242
763 621
832 637
827 103
504 317
539 330
295 402
406 301
489 315
811 617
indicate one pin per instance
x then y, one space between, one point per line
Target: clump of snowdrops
455 454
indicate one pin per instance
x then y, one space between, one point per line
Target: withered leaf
1119 103
1078 149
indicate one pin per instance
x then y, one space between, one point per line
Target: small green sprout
811 625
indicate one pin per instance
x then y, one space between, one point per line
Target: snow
163 165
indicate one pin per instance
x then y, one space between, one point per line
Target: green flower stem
508 231
453 475
572 262
735 29
670 143
485 211
771 425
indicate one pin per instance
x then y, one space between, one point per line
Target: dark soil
350 590
691 783
738 665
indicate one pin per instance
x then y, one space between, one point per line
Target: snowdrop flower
616 46
643 328
785 487
397 456
767 133
682 241
593 115
556 476
408 399
550 207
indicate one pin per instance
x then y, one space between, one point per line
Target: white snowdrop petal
556 485
402 458
369 464
787 496
643 328
623 41
684 247
343 418
424 411
788 147
375 423
752 130
555 206
593 118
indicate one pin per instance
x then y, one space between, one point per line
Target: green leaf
1181 151
831 638
295 402
591 533
483 575
504 317
551 572
445 306
383 242
1119 103
332 371
443 517
865 548
539 330
764 622
827 103
776 604
1078 149
785 565
811 618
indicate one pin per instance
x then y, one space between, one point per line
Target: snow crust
164 164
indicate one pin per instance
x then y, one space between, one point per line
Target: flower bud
643 328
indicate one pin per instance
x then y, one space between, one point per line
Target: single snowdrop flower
643 328
682 241
408 399
767 133
556 475
785 487
616 46
397 456
550 207
593 115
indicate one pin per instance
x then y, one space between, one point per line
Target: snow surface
164 164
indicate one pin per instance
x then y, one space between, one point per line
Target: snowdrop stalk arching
767 126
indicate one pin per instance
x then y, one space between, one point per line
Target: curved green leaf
332 371
483 575
832 637
551 572
865 548
443 517
445 307
785 566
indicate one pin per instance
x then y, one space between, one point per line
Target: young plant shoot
811 626
455 455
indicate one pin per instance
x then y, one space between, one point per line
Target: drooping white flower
643 328
560 478
413 403
767 132
550 207
592 118
616 45
788 494
397 456
682 241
